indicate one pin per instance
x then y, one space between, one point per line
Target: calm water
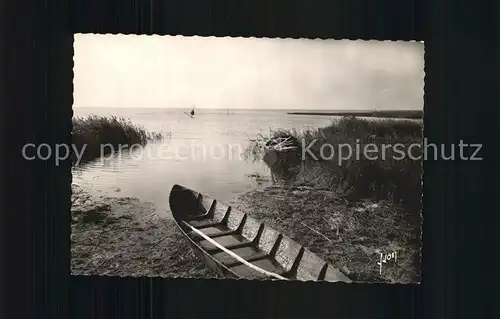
222 135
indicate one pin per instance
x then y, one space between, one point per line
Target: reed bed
351 212
94 131
393 175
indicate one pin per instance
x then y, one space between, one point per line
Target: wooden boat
235 245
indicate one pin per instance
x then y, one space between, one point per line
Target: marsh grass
384 178
349 213
94 131
349 235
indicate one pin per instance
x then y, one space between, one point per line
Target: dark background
460 254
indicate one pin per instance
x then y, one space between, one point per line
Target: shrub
94 131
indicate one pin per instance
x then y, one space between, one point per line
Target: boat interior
245 237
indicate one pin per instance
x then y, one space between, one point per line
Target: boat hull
263 250
208 260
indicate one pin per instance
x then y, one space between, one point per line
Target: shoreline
127 237
413 115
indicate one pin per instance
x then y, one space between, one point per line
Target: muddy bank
127 237
350 236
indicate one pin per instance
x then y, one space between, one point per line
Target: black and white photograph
247 158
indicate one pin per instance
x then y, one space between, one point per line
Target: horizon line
264 109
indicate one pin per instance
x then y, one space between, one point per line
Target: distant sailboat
191 114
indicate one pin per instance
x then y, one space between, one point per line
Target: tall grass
357 177
94 131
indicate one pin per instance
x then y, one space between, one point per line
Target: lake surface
204 153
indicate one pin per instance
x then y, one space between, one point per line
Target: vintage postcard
247 158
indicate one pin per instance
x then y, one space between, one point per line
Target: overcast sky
209 72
